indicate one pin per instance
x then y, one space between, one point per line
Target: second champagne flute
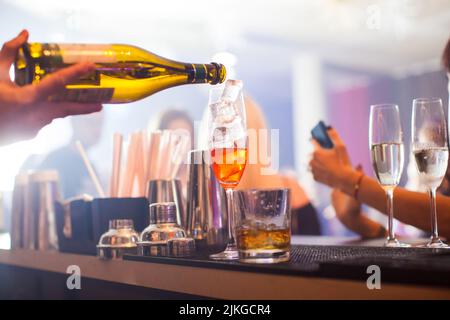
430 148
386 146
228 146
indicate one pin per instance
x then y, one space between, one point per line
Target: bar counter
35 274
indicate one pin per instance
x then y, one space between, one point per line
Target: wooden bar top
216 283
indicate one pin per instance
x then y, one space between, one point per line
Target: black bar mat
401 265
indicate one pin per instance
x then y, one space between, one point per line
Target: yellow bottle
123 73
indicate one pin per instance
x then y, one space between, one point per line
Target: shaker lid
163 212
121 224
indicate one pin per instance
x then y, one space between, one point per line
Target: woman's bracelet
357 185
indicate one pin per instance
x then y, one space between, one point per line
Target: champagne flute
228 146
430 149
386 146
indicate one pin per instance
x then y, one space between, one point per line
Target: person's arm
25 110
409 207
349 212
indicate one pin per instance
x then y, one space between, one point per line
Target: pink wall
349 115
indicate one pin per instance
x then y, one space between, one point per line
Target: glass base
263 256
230 253
394 243
435 243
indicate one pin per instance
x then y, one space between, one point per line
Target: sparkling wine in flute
123 73
432 165
228 165
387 162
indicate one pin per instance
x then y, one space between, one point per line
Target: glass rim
384 105
262 190
427 100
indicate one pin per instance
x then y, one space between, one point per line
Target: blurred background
301 60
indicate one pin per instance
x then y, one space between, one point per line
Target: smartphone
320 134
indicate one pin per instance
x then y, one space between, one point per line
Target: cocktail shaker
163 227
19 203
120 239
39 214
168 191
206 205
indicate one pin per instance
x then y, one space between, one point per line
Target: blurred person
25 110
333 168
304 219
174 119
74 177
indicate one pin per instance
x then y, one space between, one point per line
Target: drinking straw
90 169
140 167
145 155
169 154
155 141
128 179
115 174
164 155
179 154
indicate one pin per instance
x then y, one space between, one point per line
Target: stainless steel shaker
168 191
206 205
19 203
163 227
39 216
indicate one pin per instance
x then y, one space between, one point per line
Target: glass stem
434 223
230 210
390 210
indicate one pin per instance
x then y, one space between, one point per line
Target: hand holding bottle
122 73
25 110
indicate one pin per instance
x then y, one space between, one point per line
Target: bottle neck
212 73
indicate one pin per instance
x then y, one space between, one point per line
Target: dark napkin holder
90 219
74 227
105 209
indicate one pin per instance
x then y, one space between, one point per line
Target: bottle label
99 53
85 95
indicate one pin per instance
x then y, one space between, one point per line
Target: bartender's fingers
9 51
57 81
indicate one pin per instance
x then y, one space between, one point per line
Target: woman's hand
332 166
25 110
